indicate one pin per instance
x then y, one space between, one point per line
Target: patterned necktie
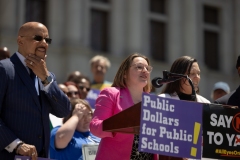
32 75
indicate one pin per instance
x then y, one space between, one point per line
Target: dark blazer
24 114
232 98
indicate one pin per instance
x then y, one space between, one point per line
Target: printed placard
18 157
89 151
170 127
221 132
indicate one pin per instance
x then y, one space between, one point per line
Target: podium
127 121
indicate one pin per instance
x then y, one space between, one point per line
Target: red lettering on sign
236 122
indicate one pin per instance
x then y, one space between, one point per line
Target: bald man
28 93
4 53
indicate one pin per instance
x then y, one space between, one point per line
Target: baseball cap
222 85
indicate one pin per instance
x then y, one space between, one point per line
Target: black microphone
169 77
157 82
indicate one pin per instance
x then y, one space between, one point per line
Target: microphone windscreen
155 82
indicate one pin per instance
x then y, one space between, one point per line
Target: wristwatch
47 80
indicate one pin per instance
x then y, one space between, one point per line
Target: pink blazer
113 146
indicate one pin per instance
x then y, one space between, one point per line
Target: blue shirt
73 151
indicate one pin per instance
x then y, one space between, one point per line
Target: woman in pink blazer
131 80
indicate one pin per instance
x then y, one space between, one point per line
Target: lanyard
90 139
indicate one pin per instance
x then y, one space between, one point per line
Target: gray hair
100 58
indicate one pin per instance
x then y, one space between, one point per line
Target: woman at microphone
181 89
131 80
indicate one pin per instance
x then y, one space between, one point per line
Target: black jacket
232 98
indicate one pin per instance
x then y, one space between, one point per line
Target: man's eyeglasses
69 94
40 38
140 67
82 87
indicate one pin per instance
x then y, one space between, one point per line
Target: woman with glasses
131 80
67 140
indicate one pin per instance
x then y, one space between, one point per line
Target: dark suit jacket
232 98
24 114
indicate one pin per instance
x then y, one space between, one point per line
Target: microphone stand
167 74
193 90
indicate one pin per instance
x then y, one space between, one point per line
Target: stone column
236 30
118 27
8 17
86 27
226 41
191 27
56 21
11 18
174 32
134 25
73 21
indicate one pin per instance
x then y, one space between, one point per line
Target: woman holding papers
67 140
181 89
131 80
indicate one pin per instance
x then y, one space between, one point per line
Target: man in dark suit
233 98
28 93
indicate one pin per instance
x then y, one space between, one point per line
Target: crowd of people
42 118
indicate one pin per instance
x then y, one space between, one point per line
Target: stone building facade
163 30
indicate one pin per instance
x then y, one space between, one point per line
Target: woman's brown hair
75 101
119 80
181 65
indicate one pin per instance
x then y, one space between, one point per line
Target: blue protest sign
170 127
92 96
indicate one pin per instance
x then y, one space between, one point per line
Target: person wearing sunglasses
64 88
84 86
132 79
28 93
73 91
82 82
55 121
